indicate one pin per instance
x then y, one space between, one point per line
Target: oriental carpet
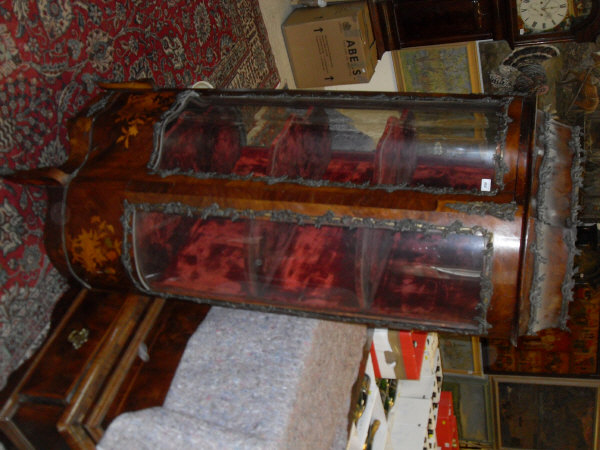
52 55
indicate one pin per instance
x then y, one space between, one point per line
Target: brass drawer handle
363 396
78 337
478 13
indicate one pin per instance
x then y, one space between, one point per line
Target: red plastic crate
446 428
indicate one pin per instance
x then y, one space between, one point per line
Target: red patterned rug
52 54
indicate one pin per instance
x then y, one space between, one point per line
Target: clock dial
543 15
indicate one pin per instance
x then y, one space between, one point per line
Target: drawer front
71 348
37 424
148 382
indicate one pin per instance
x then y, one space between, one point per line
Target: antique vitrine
405 211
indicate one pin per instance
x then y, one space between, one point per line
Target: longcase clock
410 23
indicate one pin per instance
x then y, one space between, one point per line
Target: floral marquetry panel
96 247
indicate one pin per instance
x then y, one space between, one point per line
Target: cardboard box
331 46
400 354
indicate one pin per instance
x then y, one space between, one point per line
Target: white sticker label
486 185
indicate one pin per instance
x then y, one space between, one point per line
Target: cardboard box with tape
331 46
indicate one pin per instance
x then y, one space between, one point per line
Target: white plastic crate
408 424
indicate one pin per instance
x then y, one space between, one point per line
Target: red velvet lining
212 259
252 160
350 167
458 177
206 141
303 148
395 155
209 141
373 271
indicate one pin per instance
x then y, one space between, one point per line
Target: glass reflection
327 268
411 147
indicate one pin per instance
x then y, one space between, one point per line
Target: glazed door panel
394 271
414 145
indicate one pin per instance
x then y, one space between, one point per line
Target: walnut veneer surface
171 193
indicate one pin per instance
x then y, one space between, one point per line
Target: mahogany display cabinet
450 213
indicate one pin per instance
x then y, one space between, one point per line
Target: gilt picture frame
473 408
447 68
461 354
541 413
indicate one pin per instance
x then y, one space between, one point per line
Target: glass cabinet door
395 271
436 145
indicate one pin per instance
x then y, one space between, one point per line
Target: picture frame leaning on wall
448 68
544 412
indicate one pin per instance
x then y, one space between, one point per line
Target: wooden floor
107 354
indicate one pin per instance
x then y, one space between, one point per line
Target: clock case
410 23
585 31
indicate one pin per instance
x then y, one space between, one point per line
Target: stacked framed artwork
473 407
572 352
461 355
546 413
449 68
544 392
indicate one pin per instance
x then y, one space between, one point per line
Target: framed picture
592 135
461 354
472 401
590 198
449 68
572 352
544 413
